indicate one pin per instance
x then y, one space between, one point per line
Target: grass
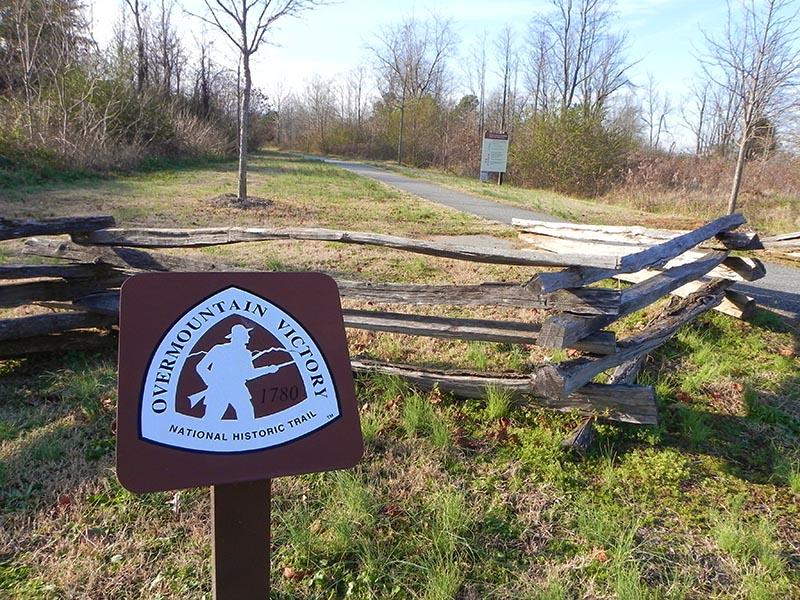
546 201
769 212
454 499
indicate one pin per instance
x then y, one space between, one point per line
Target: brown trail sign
228 380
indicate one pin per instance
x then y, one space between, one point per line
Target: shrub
574 152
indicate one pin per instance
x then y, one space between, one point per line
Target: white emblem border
265 432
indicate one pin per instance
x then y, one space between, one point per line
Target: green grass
546 201
303 192
455 499
498 403
661 208
427 514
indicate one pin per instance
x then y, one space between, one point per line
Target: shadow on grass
24 180
732 372
57 426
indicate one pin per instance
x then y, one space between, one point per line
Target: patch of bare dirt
233 201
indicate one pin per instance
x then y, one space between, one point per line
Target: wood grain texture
734 304
58 343
562 331
564 378
41 325
195 238
631 235
19 228
630 404
654 256
70 271
627 372
30 291
126 258
510 332
451 328
663 252
582 437
579 301
734 268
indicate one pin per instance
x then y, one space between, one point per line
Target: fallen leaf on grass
435 396
64 502
295 574
392 510
464 441
599 555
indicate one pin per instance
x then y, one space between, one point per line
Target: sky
664 35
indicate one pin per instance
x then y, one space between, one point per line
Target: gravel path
779 290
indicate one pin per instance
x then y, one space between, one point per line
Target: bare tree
356 97
246 23
410 60
756 61
138 11
585 59
539 47
507 60
475 67
655 110
320 100
168 51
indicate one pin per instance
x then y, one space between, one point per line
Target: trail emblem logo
236 373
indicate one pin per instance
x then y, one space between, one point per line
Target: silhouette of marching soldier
226 369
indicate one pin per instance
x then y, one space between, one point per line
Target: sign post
241 517
494 154
229 380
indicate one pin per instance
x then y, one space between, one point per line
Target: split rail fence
81 287
786 246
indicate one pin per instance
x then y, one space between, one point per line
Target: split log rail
82 292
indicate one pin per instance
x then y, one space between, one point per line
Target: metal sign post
241 513
228 380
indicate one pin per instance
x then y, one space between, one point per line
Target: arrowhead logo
235 373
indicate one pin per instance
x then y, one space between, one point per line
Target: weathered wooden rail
786 246
82 291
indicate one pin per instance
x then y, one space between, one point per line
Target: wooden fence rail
14 229
83 290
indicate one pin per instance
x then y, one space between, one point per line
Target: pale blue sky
331 39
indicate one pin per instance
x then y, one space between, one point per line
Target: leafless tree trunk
507 59
696 121
476 75
410 62
656 109
167 47
138 9
537 66
757 61
245 23
585 60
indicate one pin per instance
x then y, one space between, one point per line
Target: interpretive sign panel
232 377
494 152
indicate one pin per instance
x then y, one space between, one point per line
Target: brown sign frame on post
228 380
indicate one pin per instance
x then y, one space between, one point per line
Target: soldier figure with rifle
226 369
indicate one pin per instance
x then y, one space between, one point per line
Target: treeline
578 123
67 104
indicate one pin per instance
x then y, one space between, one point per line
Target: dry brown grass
699 186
